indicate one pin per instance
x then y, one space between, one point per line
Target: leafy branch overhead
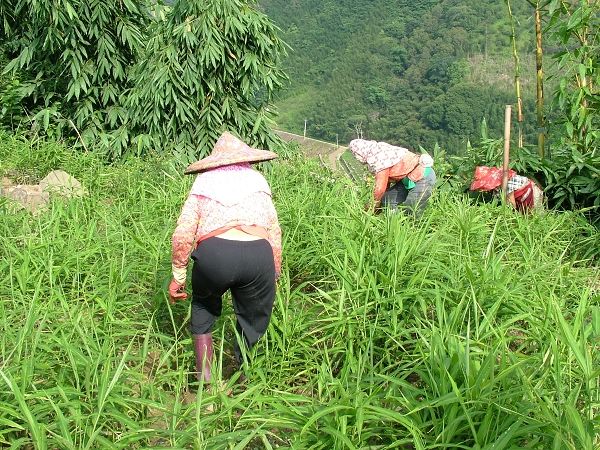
210 66
134 74
73 62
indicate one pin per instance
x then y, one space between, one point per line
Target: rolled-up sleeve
381 184
184 237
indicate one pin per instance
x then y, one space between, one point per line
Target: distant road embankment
328 153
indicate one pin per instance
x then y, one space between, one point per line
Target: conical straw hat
230 150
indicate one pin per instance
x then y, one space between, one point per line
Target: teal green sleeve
409 184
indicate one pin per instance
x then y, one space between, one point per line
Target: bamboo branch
539 104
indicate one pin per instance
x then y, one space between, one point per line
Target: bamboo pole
539 104
517 74
506 159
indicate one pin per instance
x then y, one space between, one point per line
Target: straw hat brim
216 161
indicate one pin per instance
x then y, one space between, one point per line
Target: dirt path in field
327 152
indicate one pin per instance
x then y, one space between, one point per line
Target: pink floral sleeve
274 238
184 236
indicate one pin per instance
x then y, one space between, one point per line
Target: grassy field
471 327
349 164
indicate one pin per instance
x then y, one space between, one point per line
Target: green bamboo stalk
539 103
515 52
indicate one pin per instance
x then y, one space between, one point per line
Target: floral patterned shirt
202 215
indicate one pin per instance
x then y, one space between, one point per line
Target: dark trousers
244 267
415 199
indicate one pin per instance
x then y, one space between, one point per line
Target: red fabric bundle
488 178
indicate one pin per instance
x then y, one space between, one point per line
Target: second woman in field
403 179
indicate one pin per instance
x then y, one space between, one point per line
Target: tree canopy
133 76
415 73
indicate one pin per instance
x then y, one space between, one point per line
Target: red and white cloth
488 178
526 192
378 155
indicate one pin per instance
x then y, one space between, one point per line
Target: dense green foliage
474 327
576 158
133 75
575 27
204 68
416 72
73 61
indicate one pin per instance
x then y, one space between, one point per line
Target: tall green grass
470 327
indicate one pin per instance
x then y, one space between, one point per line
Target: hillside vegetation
474 327
413 72
127 78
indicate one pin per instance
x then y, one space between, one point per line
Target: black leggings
244 267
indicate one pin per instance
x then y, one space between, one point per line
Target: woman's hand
373 207
176 292
511 199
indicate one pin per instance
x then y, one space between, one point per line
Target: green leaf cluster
137 75
210 66
73 59
575 178
574 26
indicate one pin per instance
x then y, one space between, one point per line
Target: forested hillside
127 78
416 72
